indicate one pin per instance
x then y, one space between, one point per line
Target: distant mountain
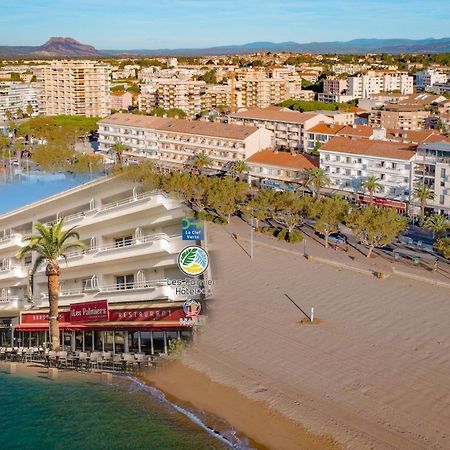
58 46
357 46
68 47
54 47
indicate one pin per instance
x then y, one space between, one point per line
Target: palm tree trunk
326 240
53 291
371 198
369 253
422 212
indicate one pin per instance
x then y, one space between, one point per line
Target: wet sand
255 419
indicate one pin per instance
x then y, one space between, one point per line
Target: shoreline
242 413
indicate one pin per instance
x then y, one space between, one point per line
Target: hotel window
348 160
123 241
338 158
441 199
124 281
442 172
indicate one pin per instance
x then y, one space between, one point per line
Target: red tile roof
325 128
211 129
282 159
273 113
382 149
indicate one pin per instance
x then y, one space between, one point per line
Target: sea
33 186
75 413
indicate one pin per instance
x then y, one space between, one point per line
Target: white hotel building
349 162
132 243
172 143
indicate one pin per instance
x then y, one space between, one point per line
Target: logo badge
193 260
192 229
192 308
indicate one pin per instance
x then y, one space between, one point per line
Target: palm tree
371 185
423 194
51 243
200 161
237 168
438 224
318 179
117 150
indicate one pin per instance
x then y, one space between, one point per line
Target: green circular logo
193 260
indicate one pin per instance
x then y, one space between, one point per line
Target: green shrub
443 246
292 237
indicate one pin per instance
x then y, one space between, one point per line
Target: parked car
335 238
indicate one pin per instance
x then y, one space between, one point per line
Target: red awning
112 326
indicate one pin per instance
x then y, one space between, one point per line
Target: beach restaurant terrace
94 326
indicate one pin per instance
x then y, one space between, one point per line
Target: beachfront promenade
374 368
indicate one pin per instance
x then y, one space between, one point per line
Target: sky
156 24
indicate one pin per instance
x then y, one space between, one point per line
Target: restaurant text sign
89 312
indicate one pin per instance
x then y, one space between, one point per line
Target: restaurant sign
89 312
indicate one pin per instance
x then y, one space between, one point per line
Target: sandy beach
373 372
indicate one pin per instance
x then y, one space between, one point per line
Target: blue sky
122 24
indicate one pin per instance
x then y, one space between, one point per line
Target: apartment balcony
136 203
151 245
9 303
13 240
11 271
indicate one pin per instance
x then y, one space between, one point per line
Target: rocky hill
59 46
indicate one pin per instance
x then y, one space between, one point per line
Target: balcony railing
138 285
120 246
9 298
106 207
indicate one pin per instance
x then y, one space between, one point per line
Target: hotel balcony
13 240
152 245
113 210
11 271
152 290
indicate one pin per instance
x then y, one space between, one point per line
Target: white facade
363 86
430 77
349 169
172 143
14 96
132 242
288 127
433 170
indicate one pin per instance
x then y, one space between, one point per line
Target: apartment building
335 86
375 82
404 120
289 128
132 242
16 97
428 78
121 100
192 97
348 69
74 87
172 143
184 95
274 166
349 162
432 169
254 89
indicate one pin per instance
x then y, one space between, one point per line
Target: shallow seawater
78 413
